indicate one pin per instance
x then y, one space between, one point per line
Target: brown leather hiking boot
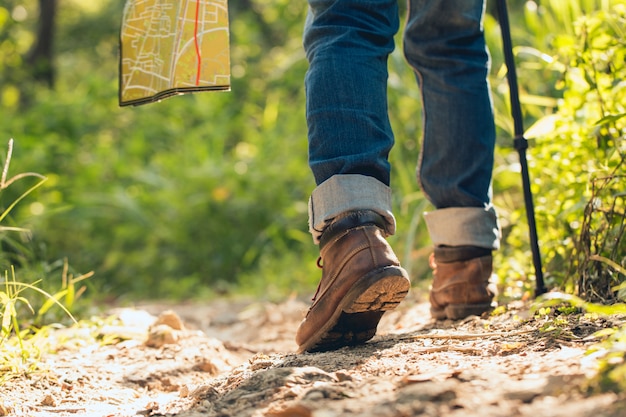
461 288
361 279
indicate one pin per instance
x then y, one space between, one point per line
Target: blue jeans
347 43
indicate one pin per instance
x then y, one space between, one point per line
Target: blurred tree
40 58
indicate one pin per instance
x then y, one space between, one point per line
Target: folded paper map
170 47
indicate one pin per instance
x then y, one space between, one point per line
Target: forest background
206 195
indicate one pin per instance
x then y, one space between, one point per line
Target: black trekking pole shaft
520 142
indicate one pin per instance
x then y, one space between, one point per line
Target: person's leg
444 43
347 43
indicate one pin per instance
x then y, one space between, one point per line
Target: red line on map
195 38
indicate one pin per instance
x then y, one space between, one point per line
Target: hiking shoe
361 279
461 288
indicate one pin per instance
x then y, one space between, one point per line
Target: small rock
160 335
525 391
171 319
152 406
430 391
525 396
315 395
343 376
134 318
49 401
207 365
205 393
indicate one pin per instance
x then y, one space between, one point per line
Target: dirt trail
236 359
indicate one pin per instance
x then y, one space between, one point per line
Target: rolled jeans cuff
464 226
344 193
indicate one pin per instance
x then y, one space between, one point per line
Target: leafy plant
6 182
12 331
576 135
589 118
610 354
20 346
602 242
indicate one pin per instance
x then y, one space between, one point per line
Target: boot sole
460 311
356 318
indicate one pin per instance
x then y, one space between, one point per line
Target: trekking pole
520 143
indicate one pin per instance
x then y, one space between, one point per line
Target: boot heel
383 290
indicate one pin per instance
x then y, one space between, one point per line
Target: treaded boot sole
356 318
460 311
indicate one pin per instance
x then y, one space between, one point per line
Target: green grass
23 328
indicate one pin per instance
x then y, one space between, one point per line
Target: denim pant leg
347 43
444 43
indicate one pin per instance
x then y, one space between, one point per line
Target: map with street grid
170 47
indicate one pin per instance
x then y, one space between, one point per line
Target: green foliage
11 248
16 38
187 197
578 138
610 354
19 341
565 303
588 122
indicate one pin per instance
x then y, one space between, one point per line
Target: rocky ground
236 358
